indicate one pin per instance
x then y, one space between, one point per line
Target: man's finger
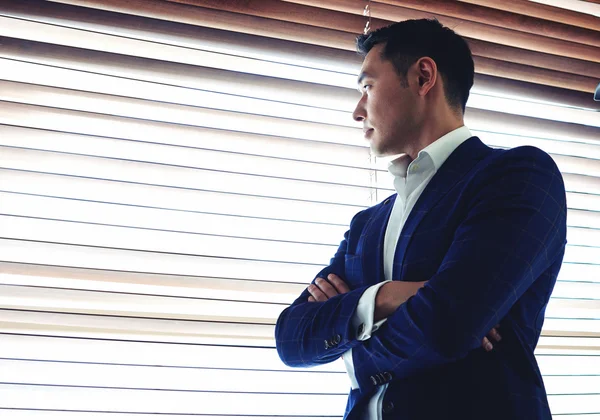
494 335
316 293
485 343
311 299
339 284
326 288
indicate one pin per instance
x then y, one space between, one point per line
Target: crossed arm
514 230
389 297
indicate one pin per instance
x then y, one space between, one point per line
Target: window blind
173 174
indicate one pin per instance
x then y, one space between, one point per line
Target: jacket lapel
458 164
372 257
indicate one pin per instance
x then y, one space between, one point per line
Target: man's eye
366 87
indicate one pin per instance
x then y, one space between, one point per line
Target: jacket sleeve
311 333
514 230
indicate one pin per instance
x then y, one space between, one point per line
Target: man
473 238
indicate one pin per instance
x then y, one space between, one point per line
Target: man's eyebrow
361 77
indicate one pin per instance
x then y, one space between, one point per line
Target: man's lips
367 132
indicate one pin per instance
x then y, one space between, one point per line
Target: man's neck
430 133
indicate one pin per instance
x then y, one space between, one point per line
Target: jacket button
337 339
389 407
387 201
387 376
374 380
327 345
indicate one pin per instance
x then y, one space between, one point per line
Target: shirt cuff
350 368
362 321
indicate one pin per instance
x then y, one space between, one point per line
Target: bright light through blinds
78 80
165 193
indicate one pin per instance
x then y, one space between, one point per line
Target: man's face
388 107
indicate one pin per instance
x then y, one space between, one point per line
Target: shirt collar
438 151
441 149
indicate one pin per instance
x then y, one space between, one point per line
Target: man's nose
359 112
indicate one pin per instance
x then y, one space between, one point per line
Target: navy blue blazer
489 233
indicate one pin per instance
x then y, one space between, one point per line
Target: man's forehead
367 70
368 65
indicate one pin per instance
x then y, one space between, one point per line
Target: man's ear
427 74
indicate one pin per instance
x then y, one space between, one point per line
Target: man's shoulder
368 212
516 169
518 162
523 155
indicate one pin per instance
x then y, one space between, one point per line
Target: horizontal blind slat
174 114
222 181
568 345
30 414
221 380
304 16
173 74
182 402
117 215
150 283
582 254
494 17
40 298
187 138
247 84
562 308
85 234
130 352
188 157
46 299
579 171
579 272
231 182
139 261
164 241
572 327
505 130
543 11
255 101
176 379
170 198
188 286
33 75
102 399
574 290
256 123
175 221
39 32
201 28
564 404
25 347
134 328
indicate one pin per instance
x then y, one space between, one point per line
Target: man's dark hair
409 40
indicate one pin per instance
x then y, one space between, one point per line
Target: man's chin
384 149
378 151
377 154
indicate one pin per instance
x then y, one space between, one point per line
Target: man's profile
473 239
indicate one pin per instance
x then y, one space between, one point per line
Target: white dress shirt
410 179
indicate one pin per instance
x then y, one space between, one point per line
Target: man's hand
393 294
322 289
492 336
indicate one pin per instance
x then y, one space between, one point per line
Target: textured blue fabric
489 233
